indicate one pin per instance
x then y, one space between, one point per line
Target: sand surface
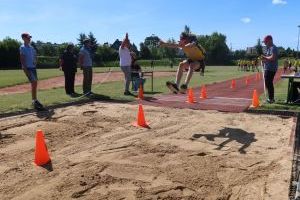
187 154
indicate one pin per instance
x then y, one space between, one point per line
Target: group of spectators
68 64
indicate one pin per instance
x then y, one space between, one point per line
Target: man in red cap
28 62
270 60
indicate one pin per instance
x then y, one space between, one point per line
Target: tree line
217 51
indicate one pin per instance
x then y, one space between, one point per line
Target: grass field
114 90
16 77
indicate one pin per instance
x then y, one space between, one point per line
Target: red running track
219 96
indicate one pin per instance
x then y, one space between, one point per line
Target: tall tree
93 41
144 51
82 37
259 48
9 53
187 29
152 41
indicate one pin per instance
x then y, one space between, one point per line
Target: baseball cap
267 38
26 35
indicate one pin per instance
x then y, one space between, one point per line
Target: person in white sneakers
28 62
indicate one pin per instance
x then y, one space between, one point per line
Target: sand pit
187 154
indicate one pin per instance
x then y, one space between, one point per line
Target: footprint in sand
89 113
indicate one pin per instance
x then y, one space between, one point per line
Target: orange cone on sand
233 84
255 100
41 151
191 98
203 94
141 118
141 92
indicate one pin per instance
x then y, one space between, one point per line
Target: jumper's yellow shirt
194 53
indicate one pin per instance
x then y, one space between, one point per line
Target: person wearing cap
125 63
270 60
28 61
68 64
195 62
86 63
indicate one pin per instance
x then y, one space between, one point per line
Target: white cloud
278 2
246 20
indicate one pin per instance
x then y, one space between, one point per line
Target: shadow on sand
230 134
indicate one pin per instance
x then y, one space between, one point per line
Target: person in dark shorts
28 62
195 60
68 64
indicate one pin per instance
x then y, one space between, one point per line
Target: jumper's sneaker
38 106
172 86
183 88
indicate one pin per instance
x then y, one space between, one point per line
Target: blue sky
242 21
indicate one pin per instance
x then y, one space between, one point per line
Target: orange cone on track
141 92
255 100
203 94
233 84
141 118
41 152
191 98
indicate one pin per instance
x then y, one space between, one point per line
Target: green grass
280 98
113 90
17 77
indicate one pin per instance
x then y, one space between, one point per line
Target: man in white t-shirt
125 63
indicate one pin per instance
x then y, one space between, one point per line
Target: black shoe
38 106
127 93
88 94
172 86
270 101
183 88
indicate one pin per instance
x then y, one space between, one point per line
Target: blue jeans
127 73
136 82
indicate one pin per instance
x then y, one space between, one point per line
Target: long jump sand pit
186 154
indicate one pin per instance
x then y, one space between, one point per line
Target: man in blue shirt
28 62
85 61
270 60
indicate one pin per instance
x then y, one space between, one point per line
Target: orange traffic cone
141 92
233 84
41 152
191 98
141 118
203 94
255 100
